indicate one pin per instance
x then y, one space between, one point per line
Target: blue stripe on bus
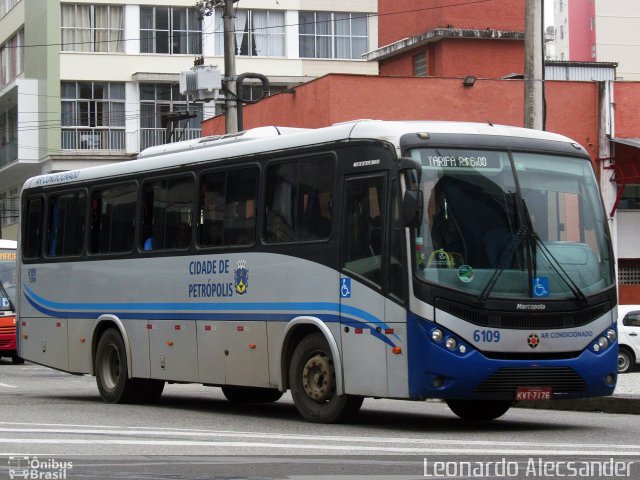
211 311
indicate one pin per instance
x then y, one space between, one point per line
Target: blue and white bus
407 260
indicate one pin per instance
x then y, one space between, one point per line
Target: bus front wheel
312 381
112 378
476 410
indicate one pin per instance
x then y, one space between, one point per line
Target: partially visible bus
407 260
8 343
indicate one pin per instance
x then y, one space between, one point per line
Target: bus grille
5 343
524 320
507 380
10 330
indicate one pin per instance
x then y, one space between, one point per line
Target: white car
628 337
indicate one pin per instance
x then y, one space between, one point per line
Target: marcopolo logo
37 469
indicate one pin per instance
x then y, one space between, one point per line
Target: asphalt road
194 432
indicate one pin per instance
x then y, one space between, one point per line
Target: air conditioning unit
201 84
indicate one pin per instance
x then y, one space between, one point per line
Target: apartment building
599 30
86 83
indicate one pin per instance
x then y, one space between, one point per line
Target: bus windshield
6 301
512 225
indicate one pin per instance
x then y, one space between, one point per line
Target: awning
632 142
625 170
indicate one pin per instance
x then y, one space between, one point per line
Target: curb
626 404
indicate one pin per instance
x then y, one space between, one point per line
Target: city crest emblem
241 277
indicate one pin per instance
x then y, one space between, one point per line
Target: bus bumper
8 344
436 372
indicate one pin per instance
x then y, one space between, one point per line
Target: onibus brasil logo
34 468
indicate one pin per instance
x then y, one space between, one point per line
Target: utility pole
533 65
206 9
231 115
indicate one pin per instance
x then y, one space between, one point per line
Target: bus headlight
451 344
611 335
603 342
436 335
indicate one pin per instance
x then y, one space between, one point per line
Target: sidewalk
625 399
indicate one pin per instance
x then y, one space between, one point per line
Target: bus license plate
530 394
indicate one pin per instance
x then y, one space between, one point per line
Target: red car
8 344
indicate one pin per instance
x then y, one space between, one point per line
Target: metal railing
93 139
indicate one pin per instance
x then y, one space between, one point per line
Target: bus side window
66 227
362 231
299 200
166 219
227 208
112 219
32 246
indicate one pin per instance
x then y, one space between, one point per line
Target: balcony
93 139
8 153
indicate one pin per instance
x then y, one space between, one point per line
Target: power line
366 15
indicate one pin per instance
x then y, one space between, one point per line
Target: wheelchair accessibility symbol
345 288
540 287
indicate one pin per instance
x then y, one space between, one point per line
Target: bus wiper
509 247
575 289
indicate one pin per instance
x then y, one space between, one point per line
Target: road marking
352 449
199 438
7 385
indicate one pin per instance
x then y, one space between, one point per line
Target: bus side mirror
412 208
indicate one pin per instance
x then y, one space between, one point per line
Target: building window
420 65
6 6
172 31
157 102
11 58
258 33
92 28
92 116
10 207
333 35
630 199
628 272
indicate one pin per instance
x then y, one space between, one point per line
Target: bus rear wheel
477 410
251 394
112 377
312 381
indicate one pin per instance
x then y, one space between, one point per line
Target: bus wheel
251 394
16 360
313 383
475 410
111 369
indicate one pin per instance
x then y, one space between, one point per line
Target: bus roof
275 139
8 244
